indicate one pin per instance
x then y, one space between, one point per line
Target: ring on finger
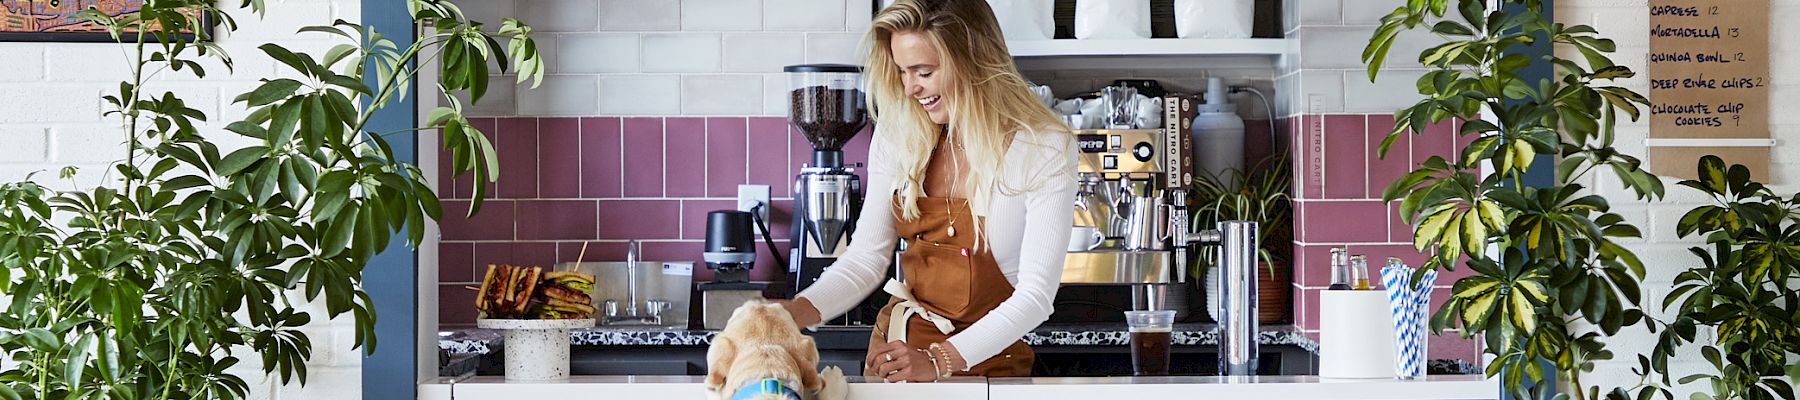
889 357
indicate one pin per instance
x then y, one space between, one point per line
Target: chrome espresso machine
1133 189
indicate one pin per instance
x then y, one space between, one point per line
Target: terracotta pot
1274 293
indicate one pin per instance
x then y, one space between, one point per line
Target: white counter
1453 387
1263 387
685 387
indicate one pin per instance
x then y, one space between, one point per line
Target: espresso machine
1132 189
827 106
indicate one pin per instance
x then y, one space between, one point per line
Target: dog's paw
836 387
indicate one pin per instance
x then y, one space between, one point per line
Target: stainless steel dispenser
1237 317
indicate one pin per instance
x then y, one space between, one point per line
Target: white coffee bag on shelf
1025 19
1112 19
1214 19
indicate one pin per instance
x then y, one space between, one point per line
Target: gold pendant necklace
957 167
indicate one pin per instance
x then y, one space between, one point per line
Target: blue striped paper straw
1401 303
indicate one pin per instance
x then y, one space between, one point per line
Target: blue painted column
391 278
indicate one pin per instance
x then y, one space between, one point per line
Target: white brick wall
1626 22
673 57
50 118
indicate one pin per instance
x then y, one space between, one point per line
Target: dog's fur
761 341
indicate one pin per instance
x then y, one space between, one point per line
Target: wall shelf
1148 47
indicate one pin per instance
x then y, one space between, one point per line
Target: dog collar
765 386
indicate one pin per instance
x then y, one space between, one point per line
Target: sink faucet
653 308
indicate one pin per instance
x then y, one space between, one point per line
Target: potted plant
1742 292
1261 196
1555 262
153 284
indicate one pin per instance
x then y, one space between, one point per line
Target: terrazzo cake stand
537 350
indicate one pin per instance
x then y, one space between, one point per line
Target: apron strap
907 308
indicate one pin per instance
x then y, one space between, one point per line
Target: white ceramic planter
536 350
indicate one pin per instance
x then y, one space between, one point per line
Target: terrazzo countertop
483 341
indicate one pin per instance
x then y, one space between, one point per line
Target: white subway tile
1320 12
1392 90
1342 47
804 15
1320 92
500 100
640 15
1367 12
560 95
559 15
857 15
282 20
775 94
835 48
23 62
59 103
640 95
99 62
23 144
317 391
763 52
680 52
721 15
721 94
597 53
490 12
87 144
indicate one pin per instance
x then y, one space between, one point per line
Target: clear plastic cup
1150 332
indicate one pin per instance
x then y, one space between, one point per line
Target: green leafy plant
189 255
1743 290
1558 264
1261 196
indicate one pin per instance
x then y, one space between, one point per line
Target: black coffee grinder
828 107
730 253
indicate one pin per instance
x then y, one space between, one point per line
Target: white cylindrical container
1214 19
1112 19
1218 135
1356 334
536 350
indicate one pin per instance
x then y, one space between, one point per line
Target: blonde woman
976 176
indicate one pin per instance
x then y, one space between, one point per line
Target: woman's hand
802 310
896 362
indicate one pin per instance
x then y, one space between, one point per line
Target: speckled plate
534 324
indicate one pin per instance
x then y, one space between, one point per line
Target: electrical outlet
751 195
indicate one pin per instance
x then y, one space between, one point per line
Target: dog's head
761 341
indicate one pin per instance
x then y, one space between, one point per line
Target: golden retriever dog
761 355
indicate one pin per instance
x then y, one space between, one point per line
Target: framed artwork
58 20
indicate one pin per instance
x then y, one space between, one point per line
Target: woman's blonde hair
990 100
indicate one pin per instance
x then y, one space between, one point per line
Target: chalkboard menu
1709 84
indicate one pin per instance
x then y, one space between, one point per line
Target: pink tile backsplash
684 141
640 219
727 155
557 219
518 158
494 222
602 164
1385 168
1342 222
644 149
456 262
559 158
1346 157
612 179
769 158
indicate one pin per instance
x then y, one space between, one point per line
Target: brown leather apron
948 277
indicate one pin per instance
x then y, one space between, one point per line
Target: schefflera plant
154 283
1545 255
